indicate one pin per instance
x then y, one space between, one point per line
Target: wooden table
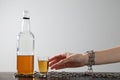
64 76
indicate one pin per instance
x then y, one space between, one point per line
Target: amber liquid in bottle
25 64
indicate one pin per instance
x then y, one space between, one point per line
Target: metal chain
91 60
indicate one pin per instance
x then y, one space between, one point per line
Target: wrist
91 60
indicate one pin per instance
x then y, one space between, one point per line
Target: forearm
107 56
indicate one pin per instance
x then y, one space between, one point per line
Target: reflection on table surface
63 76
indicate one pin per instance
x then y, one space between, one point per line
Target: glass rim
46 58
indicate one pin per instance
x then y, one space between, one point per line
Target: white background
61 26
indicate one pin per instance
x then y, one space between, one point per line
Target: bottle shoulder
26 34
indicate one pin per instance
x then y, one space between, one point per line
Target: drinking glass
43 66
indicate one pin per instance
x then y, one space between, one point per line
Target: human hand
68 60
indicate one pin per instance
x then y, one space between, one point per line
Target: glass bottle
25 47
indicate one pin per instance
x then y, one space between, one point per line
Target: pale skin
72 60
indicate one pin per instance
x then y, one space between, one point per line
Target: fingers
53 62
60 56
61 61
56 59
58 65
61 64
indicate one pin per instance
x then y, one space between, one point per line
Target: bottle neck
26 25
